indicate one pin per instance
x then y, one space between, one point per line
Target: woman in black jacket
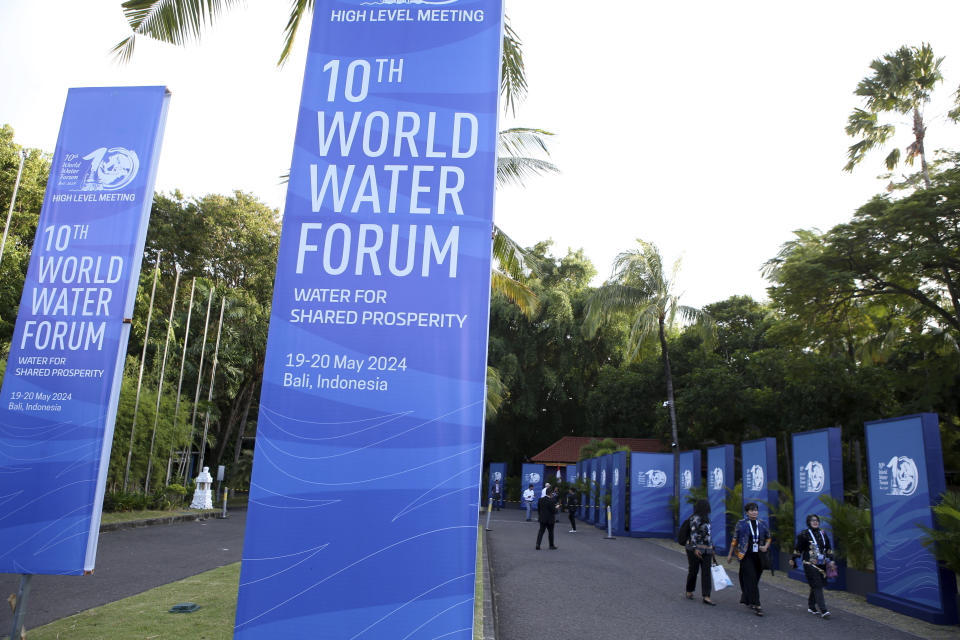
700 552
813 549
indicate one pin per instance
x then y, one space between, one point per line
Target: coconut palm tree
901 83
641 289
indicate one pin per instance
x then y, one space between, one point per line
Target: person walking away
497 494
813 549
528 495
700 552
545 490
751 537
547 511
572 503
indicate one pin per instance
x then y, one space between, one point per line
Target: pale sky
712 129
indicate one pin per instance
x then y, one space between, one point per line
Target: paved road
130 561
632 588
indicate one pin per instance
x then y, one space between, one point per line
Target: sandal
758 611
688 595
709 602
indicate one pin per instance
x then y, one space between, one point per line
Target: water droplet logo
110 169
904 475
815 476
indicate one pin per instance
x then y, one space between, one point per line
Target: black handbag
766 562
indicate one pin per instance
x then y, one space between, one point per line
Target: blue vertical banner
604 479
817 471
571 473
531 474
720 480
584 496
593 467
618 493
759 461
905 464
690 476
498 473
62 381
651 488
368 451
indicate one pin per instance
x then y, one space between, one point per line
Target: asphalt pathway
130 561
633 588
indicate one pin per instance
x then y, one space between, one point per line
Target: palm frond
172 21
298 9
513 79
513 163
517 292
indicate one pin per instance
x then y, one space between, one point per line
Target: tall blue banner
584 496
689 477
63 375
593 469
905 463
651 488
618 493
720 480
531 474
817 471
759 460
369 445
571 471
498 473
604 478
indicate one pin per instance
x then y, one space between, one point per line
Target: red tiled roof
567 449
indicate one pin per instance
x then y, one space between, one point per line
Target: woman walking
700 552
751 538
813 549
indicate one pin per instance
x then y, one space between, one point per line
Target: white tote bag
720 578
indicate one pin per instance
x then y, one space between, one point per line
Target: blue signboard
531 474
817 471
720 480
369 443
651 489
63 374
759 460
571 473
604 480
498 473
905 463
584 496
618 493
690 476
593 469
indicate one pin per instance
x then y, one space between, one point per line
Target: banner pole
183 361
143 360
13 199
20 609
196 397
163 368
213 373
489 510
609 527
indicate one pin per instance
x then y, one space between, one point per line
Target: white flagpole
163 367
16 187
183 361
196 397
213 372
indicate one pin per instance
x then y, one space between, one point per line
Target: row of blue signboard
905 464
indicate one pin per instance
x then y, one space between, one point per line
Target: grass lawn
144 616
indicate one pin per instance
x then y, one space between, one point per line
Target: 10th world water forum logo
755 475
616 477
653 479
686 479
603 477
899 477
103 169
812 477
534 478
717 479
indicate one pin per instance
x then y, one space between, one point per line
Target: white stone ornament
203 495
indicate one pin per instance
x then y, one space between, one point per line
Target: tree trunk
243 427
224 438
919 132
675 441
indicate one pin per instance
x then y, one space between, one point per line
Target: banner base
945 616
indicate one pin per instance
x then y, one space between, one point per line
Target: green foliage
852 533
596 448
944 541
782 517
733 501
160 500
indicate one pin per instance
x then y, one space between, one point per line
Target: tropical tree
640 288
901 83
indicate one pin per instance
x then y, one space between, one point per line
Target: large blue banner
604 480
817 471
498 473
759 460
905 463
362 519
720 480
690 476
584 496
651 488
531 474
593 469
571 473
63 375
618 493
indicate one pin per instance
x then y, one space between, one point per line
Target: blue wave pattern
905 568
59 403
364 500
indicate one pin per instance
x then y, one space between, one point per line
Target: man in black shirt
547 510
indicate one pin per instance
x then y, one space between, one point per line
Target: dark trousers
573 521
496 502
549 528
750 579
816 580
699 565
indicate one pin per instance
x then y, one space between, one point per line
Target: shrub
781 515
852 533
944 541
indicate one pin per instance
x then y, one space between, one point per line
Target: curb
180 517
489 614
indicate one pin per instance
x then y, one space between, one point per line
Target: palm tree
640 288
901 83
